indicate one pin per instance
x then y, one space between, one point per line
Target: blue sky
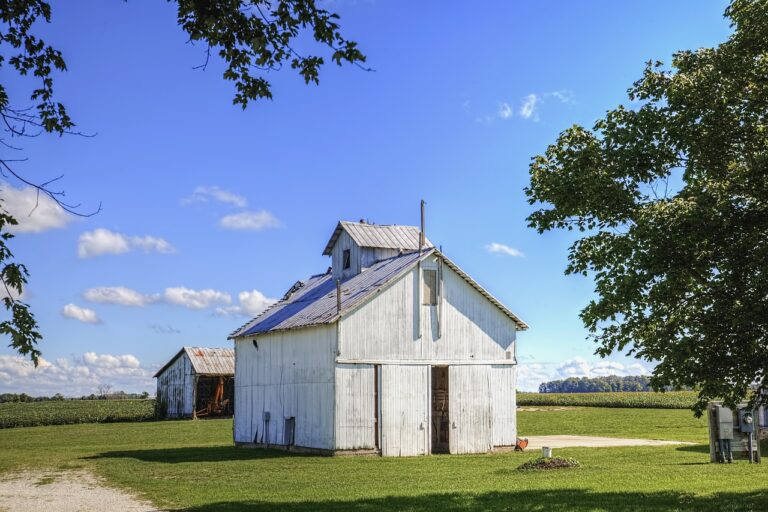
203 202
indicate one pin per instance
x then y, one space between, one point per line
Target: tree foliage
605 384
253 37
671 197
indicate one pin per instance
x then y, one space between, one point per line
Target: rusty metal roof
206 361
376 235
314 303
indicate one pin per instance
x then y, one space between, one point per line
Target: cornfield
639 400
32 414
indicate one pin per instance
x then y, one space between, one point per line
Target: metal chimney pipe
338 296
421 233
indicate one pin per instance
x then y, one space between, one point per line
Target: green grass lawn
191 465
669 424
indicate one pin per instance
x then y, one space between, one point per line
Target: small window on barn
430 288
346 259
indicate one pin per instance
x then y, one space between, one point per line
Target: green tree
252 37
671 197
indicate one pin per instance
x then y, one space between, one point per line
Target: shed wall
289 375
175 389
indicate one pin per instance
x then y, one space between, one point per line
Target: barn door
404 410
469 409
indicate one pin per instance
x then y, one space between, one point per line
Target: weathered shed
395 350
197 382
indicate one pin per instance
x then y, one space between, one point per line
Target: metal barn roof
314 303
375 235
207 361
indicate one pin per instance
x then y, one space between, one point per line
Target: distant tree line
611 383
117 395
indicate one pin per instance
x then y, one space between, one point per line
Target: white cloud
11 292
505 111
103 241
119 295
75 376
84 315
529 376
204 194
580 367
152 244
576 367
563 95
109 361
164 329
195 299
528 108
251 304
34 213
498 248
255 221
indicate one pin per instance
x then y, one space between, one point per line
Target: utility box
733 436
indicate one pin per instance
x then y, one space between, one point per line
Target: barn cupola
355 246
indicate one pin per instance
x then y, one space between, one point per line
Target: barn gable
462 323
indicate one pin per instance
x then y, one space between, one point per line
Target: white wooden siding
370 255
175 389
355 407
291 374
386 328
345 242
404 410
469 409
504 404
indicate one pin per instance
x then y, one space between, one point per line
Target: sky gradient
209 211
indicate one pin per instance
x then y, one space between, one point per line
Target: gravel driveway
70 491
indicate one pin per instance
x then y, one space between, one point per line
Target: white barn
196 382
413 357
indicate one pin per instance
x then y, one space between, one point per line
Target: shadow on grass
196 454
696 448
571 500
704 448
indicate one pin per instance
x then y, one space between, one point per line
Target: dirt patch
68 491
547 463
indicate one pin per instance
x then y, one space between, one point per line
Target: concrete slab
537 442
